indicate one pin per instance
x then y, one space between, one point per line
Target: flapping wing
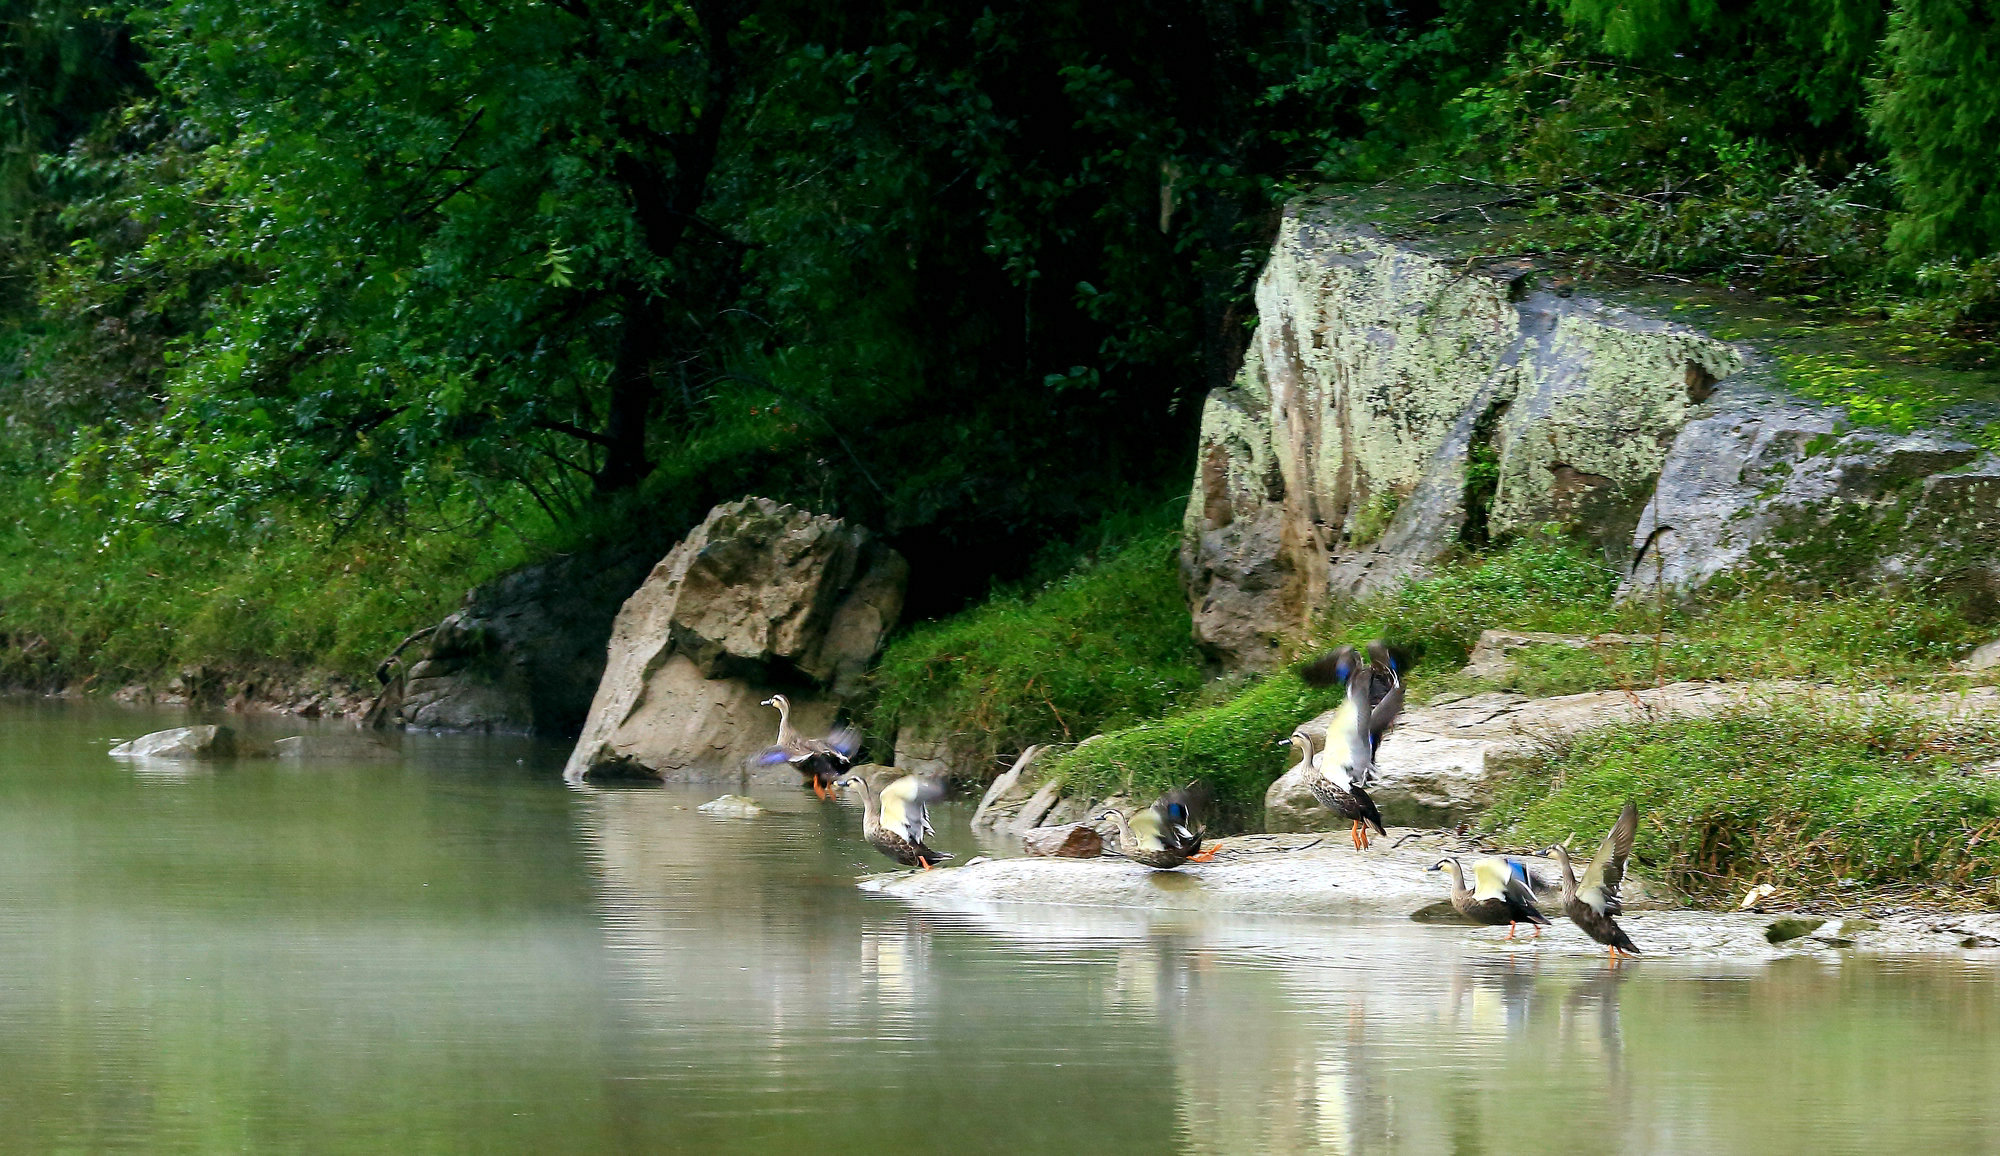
1385 691
1330 669
905 804
1179 811
1149 830
1607 868
844 741
1520 884
1349 738
774 755
1490 878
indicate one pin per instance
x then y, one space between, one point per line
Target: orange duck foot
1207 855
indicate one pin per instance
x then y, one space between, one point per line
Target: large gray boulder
759 598
197 742
1766 486
1397 395
524 653
1337 461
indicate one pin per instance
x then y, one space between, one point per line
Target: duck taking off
819 761
1166 834
1338 776
1592 903
895 815
1502 893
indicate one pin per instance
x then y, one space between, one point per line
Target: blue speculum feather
774 755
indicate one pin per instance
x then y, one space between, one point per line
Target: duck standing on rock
895 815
1166 834
1502 893
1338 776
820 761
1591 904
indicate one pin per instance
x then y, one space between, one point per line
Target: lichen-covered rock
1764 485
760 597
196 742
1337 461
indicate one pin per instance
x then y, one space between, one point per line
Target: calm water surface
454 953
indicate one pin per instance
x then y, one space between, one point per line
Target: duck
1592 903
895 815
1336 789
1164 835
1340 774
1503 893
819 761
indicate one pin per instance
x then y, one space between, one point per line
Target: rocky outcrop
347 748
1493 656
759 598
196 742
524 653
1338 460
1397 400
1766 486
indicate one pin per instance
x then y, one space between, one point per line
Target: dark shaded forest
313 314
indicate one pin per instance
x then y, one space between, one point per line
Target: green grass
88 603
1103 646
1236 747
1547 583
1818 797
1238 744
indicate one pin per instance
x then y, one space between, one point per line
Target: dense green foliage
1816 797
553 272
1101 647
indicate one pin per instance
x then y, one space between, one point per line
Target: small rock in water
197 742
1069 841
732 807
1791 927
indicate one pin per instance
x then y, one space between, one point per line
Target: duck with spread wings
818 761
895 814
1502 892
1166 834
1339 775
1592 903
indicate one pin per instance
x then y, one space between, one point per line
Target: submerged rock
346 747
732 807
759 598
1792 927
207 741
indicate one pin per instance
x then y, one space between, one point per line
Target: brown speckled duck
1501 893
1166 834
1592 903
818 761
895 817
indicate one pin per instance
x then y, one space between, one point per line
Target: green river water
456 953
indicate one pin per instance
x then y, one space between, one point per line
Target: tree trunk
632 396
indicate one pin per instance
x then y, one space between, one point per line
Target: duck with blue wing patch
1592 903
1503 892
818 761
1166 834
895 815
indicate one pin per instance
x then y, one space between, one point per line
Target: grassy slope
1539 583
86 603
1104 645
1815 797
